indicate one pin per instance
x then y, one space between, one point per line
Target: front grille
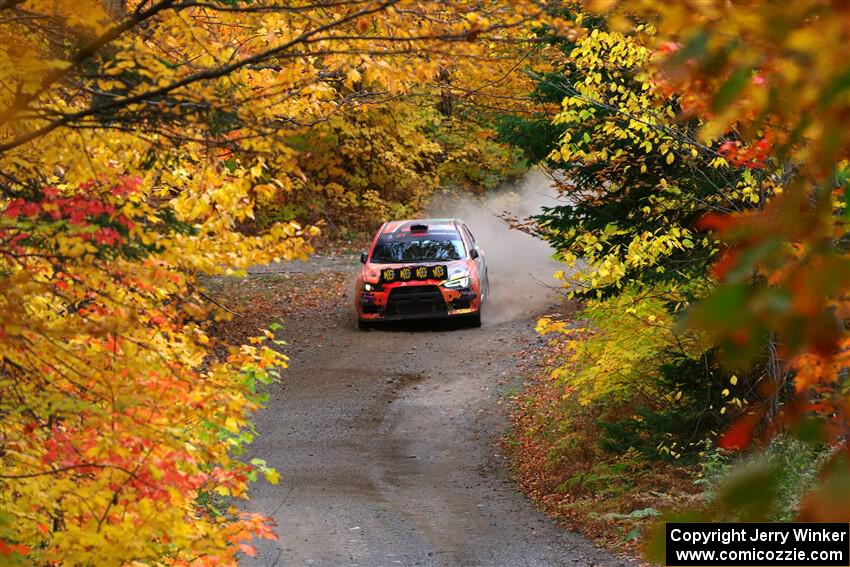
416 300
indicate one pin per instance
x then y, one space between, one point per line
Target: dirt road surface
387 440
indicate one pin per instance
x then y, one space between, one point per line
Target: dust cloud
520 266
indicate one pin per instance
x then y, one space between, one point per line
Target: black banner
758 544
413 273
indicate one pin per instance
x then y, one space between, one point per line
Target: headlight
372 287
458 283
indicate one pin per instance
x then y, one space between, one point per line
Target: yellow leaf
352 77
231 425
272 476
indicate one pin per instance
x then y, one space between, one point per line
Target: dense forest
700 151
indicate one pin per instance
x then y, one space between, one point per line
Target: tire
363 325
474 320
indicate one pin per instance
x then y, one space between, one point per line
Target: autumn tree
769 74
387 161
635 182
137 140
702 152
745 211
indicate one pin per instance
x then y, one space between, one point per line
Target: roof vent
419 228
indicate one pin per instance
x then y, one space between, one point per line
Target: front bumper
416 302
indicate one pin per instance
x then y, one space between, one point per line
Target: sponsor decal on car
407 273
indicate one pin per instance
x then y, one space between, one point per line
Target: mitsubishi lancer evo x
422 269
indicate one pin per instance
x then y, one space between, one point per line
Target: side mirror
473 253
363 257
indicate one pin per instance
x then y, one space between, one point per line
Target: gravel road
386 443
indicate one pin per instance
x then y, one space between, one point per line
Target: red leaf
9 549
713 222
106 235
740 434
725 263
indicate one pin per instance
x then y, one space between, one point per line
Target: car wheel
363 325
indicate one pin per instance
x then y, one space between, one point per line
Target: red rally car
421 269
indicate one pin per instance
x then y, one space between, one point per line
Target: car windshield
402 248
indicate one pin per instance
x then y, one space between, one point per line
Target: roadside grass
556 456
512 391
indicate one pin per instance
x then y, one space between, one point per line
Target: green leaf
722 307
643 513
731 88
846 197
839 85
